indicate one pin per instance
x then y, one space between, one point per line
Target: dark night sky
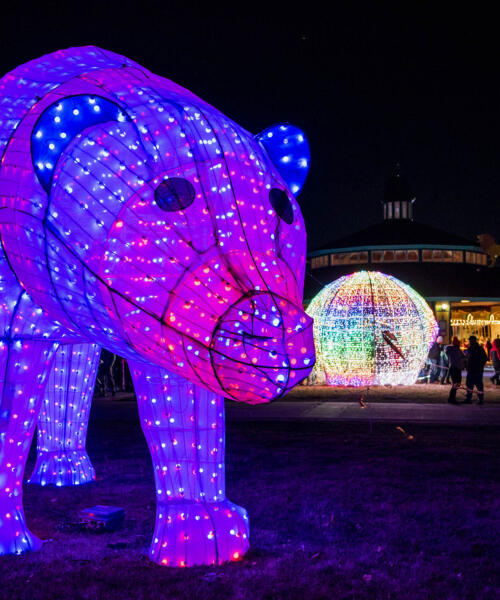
369 89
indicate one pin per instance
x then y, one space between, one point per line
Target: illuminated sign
470 321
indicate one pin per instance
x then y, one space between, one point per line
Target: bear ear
288 149
60 123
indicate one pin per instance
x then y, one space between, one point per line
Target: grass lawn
336 512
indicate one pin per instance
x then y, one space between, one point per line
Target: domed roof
399 232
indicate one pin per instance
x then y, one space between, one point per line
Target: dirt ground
336 512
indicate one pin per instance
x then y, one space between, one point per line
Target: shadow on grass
335 511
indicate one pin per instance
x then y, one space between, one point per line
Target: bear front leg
62 458
184 427
24 365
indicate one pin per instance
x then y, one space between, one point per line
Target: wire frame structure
370 329
138 218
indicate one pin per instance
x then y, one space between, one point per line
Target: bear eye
174 194
281 204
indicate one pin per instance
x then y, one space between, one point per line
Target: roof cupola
398 200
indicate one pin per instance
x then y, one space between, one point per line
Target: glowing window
339 259
319 261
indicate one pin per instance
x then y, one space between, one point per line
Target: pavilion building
451 272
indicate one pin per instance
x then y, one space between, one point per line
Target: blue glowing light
60 123
288 148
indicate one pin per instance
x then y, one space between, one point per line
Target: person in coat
444 366
456 362
435 359
476 359
495 360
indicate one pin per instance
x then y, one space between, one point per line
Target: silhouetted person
444 364
476 359
488 346
495 360
105 373
456 362
435 359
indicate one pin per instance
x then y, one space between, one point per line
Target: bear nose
262 347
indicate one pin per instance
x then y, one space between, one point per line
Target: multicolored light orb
370 329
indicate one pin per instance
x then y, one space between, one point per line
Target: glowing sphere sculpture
136 217
370 329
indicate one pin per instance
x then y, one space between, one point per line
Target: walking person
105 372
495 360
456 362
435 359
488 346
444 365
476 359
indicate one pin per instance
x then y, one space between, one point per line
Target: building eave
322 252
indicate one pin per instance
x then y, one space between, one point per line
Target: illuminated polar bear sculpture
136 217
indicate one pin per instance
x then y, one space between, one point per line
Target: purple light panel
184 427
62 423
136 217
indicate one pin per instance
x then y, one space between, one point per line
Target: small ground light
101 518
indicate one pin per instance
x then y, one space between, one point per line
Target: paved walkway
124 407
389 412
